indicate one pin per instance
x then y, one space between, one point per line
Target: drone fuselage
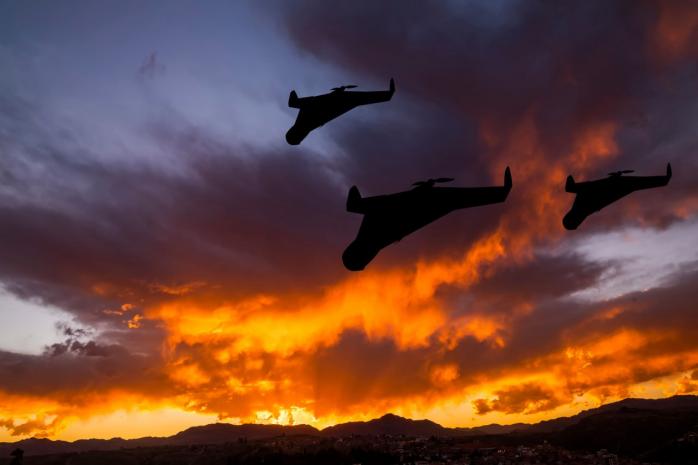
593 196
318 110
389 218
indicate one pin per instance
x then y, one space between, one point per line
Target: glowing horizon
167 260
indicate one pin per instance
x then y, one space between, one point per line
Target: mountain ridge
388 424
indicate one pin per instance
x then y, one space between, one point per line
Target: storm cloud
153 198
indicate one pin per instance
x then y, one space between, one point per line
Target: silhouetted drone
389 218
592 196
318 110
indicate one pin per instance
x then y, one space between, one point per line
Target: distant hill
675 403
493 428
631 424
388 424
630 431
224 432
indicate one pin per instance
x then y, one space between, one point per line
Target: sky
168 260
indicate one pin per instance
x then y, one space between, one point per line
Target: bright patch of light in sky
27 327
141 423
215 77
642 258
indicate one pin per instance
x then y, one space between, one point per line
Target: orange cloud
524 398
386 339
256 358
255 347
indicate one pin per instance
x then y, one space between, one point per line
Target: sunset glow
187 260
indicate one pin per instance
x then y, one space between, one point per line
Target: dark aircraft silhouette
389 218
316 111
592 196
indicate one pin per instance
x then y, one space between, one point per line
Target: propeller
341 88
431 181
619 173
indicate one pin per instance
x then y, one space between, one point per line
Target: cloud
210 272
526 100
40 427
526 398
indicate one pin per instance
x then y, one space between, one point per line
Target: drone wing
466 197
648 182
367 98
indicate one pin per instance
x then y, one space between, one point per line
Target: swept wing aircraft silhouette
318 110
389 218
592 196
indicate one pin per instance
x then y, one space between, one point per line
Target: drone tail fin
293 100
668 171
354 201
507 179
570 185
392 86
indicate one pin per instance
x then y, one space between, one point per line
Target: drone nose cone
293 138
357 256
571 222
297 134
351 265
351 260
